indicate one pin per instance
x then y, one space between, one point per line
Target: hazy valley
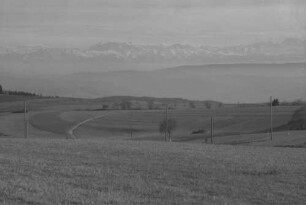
159 70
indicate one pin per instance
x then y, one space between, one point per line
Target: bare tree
167 126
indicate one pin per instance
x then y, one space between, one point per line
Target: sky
81 23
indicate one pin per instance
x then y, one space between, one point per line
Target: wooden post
166 131
304 117
271 119
131 125
211 129
25 120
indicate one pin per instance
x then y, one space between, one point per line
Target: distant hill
220 82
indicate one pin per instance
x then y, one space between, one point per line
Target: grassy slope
228 121
12 126
15 103
298 121
59 122
129 172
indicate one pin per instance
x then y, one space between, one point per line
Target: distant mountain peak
124 55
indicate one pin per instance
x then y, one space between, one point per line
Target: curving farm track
71 131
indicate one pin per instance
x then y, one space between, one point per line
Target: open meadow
193 125
80 118
78 155
238 125
36 171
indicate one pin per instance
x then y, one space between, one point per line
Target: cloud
155 20
187 4
31 12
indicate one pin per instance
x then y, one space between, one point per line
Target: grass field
227 121
59 122
246 126
60 114
47 169
44 113
12 126
130 172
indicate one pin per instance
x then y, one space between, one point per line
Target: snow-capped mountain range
127 56
132 52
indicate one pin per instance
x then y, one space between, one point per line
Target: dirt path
71 131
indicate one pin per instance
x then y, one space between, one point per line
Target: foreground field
294 139
130 172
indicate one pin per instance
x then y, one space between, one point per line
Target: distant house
106 106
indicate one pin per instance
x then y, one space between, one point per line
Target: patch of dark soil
293 146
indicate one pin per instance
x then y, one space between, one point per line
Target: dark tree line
22 93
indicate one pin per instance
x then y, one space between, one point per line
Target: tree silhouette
275 102
171 125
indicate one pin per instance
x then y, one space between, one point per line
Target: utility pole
271 119
25 120
131 125
211 129
304 121
166 131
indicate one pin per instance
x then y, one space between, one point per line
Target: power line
166 131
211 130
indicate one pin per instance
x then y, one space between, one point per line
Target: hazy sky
213 22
